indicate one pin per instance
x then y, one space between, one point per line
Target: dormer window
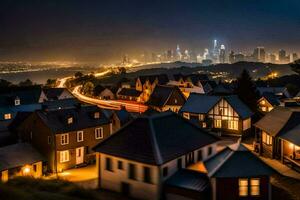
70 120
96 115
7 116
17 102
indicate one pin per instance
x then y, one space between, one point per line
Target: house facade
145 159
268 102
129 94
146 84
66 136
223 114
166 98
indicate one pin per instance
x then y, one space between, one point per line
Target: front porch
291 155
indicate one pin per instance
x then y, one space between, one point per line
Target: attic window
17 102
96 115
70 120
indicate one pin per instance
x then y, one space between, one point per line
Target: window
96 115
64 156
186 115
233 125
189 159
165 171
199 156
147 175
108 164
120 164
179 163
243 187
209 151
263 102
79 136
64 138
218 123
34 167
99 133
255 187
175 101
132 172
264 108
201 117
267 139
70 120
7 116
17 102
204 125
49 139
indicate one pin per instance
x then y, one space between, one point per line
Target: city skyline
104 31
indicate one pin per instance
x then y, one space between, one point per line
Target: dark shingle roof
54 93
26 96
61 104
18 155
201 103
190 180
279 91
123 115
129 92
238 162
83 117
194 78
156 139
161 95
271 98
292 135
162 79
279 120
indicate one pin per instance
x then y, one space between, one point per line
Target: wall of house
228 188
112 180
264 105
89 141
106 94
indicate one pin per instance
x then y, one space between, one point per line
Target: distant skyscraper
294 57
239 57
206 54
272 58
169 55
282 56
222 56
215 51
178 53
231 57
259 54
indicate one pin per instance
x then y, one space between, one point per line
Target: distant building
231 57
283 58
294 57
222 56
259 54
272 58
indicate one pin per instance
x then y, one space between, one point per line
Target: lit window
99 133
243 187
64 156
70 120
7 116
17 102
96 115
79 136
201 117
64 139
218 123
255 187
267 139
186 115
264 109
233 125
263 102
204 125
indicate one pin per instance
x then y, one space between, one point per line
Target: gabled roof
190 180
83 117
18 155
279 120
123 115
162 79
129 92
54 93
26 96
236 162
292 135
271 98
202 103
161 95
279 91
156 139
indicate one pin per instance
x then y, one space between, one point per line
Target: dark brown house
165 98
65 136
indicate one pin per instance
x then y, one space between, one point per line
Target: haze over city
105 31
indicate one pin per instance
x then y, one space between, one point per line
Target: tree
98 89
296 66
246 90
78 74
88 88
26 83
5 83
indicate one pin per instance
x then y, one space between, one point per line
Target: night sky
103 30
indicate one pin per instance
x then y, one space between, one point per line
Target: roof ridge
154 143
222 162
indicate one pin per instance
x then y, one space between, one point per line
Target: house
103 92
193 83
268 102
66 136
277 134
236 173
129 94
57 94
165 98
280 92
118 118
146 84
141 156
20 160
223 114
